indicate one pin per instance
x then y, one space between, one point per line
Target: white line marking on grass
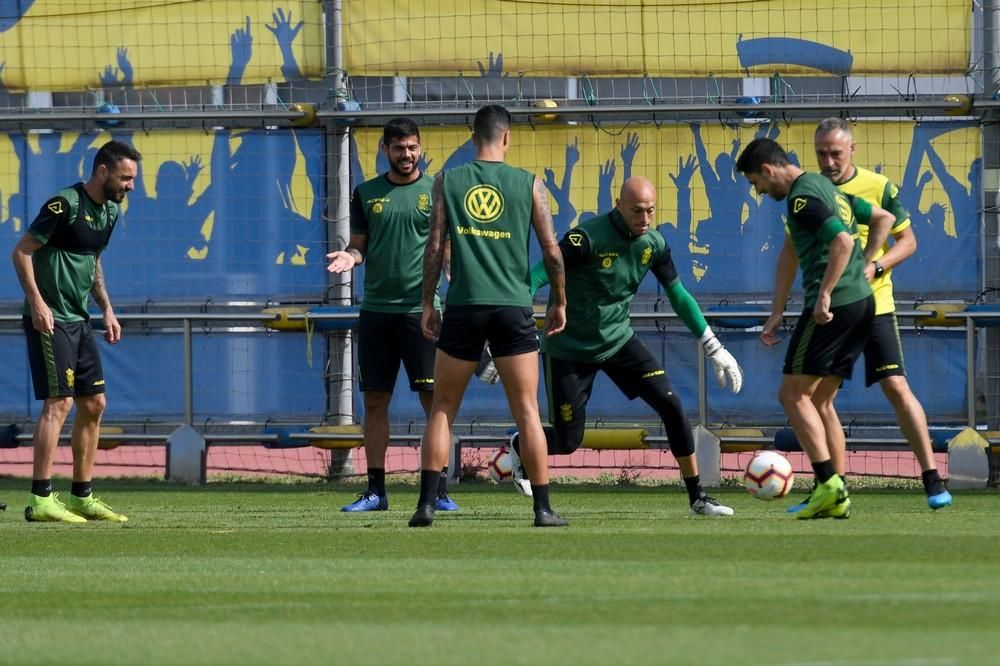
902 661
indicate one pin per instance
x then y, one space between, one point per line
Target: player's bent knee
667 406
670 410
896 387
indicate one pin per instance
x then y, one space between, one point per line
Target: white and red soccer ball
768 476
500 468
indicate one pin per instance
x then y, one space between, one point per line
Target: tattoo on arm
434 251
356 253
99 291
357 247
541 219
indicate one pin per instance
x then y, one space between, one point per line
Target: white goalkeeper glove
725 365
486 370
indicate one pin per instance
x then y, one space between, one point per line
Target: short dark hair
491 122
399 128
760 152
114 152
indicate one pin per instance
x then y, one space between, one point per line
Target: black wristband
879 269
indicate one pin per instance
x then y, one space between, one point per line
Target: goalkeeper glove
723 362
486 370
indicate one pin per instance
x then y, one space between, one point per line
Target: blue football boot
940 500
368 501
445 503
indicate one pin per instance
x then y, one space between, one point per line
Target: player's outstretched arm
541 219
99 292
353 255
430 319
41 315
727 370
839 253
784 276
879 222
904 245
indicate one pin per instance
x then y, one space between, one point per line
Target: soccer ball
500 467
545 104
768 476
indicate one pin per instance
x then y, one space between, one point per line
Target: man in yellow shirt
884 351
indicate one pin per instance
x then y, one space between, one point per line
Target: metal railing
970 321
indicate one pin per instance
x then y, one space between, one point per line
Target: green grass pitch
274 574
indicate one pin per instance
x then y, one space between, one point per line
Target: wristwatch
879 269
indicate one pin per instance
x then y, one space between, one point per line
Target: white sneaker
521 482
709 506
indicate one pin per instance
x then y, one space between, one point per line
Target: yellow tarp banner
667 38
672 151
59 45
723 237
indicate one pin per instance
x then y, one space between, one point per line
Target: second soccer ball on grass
500 467
768 476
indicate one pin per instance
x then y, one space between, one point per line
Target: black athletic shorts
384 340
569 383
833 348
66 363
467 328
884 351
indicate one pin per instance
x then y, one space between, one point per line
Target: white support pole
708 455
400 92
755 86
340 374
39 99
186 455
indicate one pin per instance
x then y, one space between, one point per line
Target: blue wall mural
226 215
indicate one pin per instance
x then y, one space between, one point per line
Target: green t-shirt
489 220
396 220
72 237
817 212
605 265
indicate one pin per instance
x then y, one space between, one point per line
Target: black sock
515 443
693 485
540 496
428 486
443 483
824 470
932 482
376 481
81 489
41 487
